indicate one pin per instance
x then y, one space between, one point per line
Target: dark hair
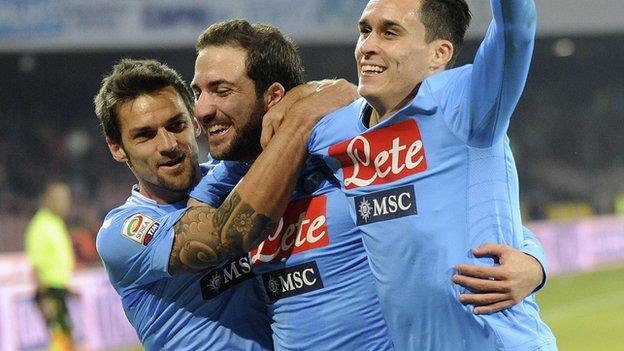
130 79
446 19
271 57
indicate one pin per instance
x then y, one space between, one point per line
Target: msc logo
220 279
385 205
292 281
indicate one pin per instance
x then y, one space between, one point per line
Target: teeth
372 68
217 127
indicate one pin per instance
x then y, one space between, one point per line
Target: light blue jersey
318 284
435 180
222 309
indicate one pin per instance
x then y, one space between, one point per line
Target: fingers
312 100
268 130
490 250
487 303
485 272
482 299
275 116
489 309
481 285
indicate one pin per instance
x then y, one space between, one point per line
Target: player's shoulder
337 126
344 115
447 78
132 221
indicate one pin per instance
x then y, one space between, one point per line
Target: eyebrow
211 84
141 130
391 24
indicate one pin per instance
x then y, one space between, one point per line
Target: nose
167 141
205 109
368 45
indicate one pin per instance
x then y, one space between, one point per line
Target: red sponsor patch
381 156
303 227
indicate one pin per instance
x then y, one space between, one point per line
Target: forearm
501 65
517 18
533 247
206 236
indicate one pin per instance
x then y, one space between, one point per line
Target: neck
382 111
374 118
163 195
160 194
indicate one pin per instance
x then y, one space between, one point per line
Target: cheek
357 53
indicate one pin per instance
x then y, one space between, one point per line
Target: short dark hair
271 57
130 79
446 19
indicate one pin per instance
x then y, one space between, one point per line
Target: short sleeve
135 246
217 184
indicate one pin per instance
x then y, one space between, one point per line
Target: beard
245 145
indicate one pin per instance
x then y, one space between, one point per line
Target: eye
144 135
177 126
364 30
222 91
390 34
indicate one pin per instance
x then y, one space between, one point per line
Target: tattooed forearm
205 236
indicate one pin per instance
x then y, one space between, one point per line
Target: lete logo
303 227
381 156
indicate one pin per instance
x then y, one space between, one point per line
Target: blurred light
78 142
27 63
563 47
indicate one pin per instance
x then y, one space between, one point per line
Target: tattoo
205 236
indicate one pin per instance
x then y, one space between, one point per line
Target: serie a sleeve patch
140 228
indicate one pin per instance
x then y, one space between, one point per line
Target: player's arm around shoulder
206 236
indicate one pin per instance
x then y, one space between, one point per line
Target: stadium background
566 133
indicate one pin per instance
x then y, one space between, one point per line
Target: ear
442 54
273 95
119 154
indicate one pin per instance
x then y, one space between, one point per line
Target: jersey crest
140 228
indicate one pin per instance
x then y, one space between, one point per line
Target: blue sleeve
532 246
217 184
489 91
135 245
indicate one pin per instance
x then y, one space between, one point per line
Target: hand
502 286
320 97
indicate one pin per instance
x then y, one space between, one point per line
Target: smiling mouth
218 129
372 69
173 162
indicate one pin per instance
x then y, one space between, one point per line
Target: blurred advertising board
103 24
98 320
582 244
36 25
100 323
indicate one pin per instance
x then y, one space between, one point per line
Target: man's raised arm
500 69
